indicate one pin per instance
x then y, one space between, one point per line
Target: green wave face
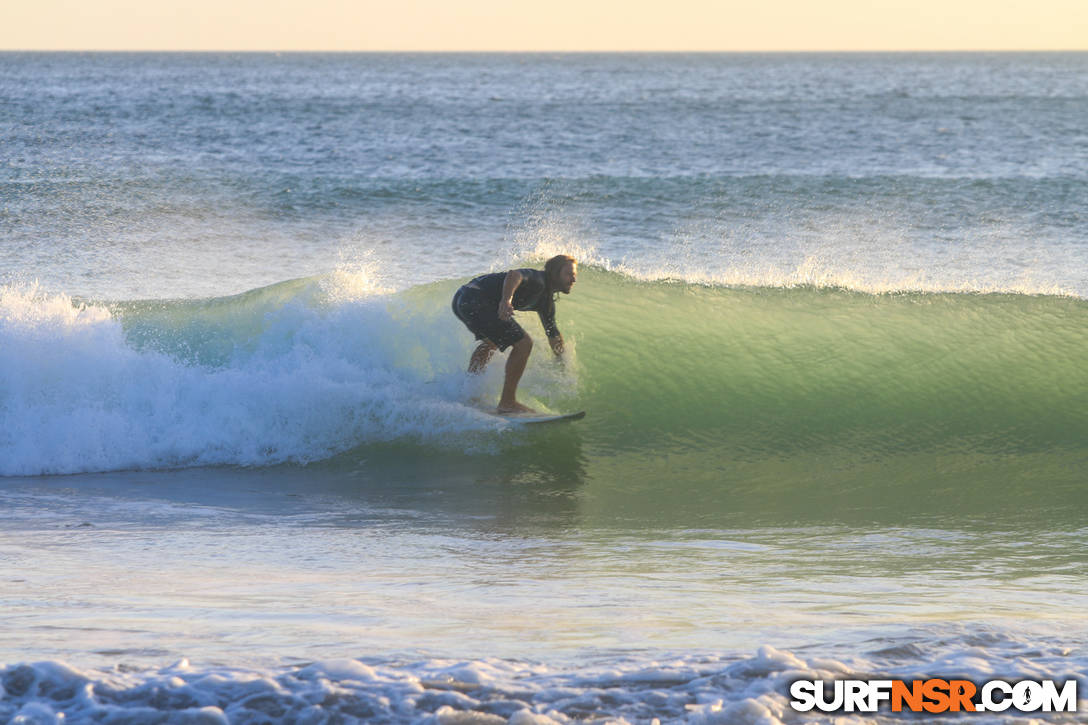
704 401
771 370
795 400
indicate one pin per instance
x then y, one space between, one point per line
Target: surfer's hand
506 310
557 347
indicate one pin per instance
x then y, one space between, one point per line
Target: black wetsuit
477 305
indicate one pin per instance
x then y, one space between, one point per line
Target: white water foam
700 690
305 381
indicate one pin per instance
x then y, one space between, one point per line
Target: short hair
556 263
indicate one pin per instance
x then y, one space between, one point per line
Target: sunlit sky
555 25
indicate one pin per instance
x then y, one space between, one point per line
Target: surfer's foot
515 407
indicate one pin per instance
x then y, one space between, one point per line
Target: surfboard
534 419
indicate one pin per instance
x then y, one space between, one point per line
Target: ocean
830 330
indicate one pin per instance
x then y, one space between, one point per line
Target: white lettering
1064 701
879 691
854 696
835 703
989 704
804 695
1027 696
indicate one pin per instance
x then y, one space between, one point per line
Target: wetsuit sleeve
547 318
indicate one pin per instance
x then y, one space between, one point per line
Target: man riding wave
486 305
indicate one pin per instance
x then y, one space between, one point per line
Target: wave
795 366
705 688
291 372
306 369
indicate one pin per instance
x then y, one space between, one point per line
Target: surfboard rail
535 419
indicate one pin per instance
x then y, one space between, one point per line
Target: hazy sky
537 25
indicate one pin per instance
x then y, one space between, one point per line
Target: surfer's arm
509 286
547 318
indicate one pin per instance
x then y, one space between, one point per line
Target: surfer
486 305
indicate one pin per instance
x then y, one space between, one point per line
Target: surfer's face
567 276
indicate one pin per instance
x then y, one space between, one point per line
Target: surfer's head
562 272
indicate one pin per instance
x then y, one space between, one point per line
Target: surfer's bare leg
480 357
515 366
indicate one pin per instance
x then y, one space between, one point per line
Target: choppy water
830 328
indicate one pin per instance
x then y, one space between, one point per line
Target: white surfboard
535 418
528 418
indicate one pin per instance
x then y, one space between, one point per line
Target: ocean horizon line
586 52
